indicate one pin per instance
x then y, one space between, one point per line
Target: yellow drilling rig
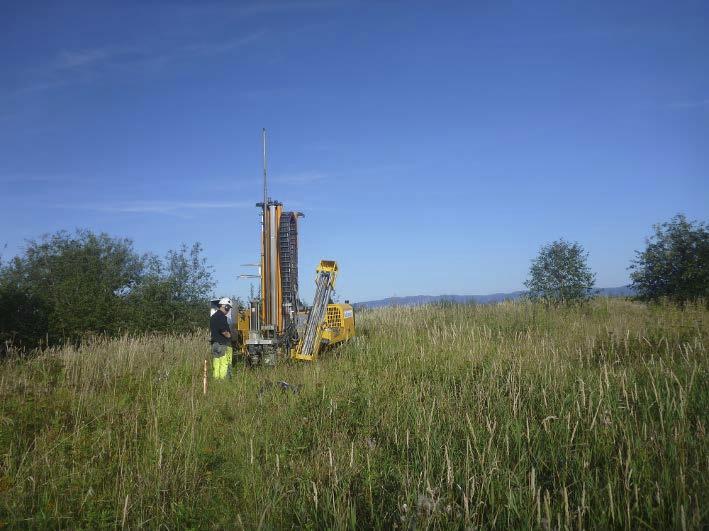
276 325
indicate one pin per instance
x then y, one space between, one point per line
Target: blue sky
433 146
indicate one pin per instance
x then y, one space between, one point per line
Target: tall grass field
506 416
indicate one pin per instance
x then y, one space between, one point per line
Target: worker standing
221 341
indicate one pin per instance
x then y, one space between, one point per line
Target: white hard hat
226 301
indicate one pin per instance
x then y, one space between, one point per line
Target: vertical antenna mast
264 266
265 188
266 231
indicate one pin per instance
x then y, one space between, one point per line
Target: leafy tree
66 286
172 292
675 262
560 274
23 316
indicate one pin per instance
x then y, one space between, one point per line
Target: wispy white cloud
219 47
230 11
66 64
355 175
80 59
260 8
71 66
157 207
35 181
299 178
87 64
689 104
26 181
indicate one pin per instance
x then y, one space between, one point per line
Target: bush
65 287
560 274
675 262
172 294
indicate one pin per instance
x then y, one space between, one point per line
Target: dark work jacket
217 325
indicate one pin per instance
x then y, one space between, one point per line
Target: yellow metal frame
243 326
338 325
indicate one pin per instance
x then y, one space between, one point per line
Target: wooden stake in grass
204 379
125 512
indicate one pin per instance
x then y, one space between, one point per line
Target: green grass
446 417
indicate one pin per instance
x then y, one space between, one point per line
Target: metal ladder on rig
325 284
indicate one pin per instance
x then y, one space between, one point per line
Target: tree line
674 266
66 287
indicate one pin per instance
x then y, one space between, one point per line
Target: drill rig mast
275 324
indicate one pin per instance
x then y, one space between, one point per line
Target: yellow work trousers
221 361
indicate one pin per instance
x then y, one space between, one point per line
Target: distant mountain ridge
418 300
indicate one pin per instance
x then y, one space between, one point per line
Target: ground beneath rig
448 416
